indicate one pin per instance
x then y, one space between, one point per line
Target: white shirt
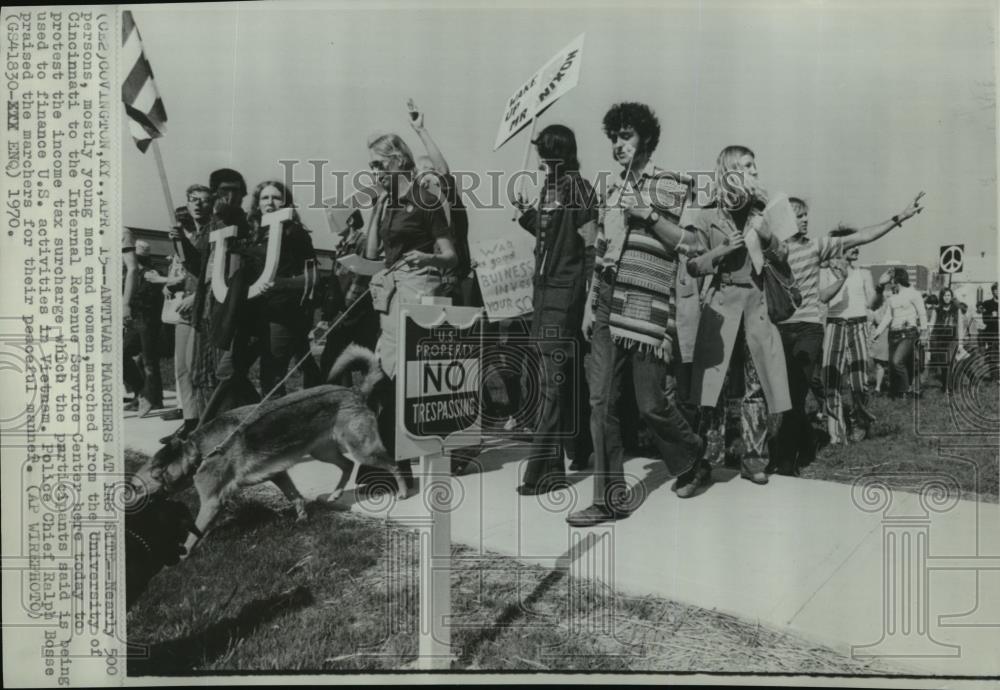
854 296
906 310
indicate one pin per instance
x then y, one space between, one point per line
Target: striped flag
147 119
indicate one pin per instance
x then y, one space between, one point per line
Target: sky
855 107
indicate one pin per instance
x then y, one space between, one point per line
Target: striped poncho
642 303
643 308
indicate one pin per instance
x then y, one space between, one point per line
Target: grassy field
913 441
339 594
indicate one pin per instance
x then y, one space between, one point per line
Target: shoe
595 515
858 434
145 407
543 487
577 466
132 405
689 482
173 415
756 477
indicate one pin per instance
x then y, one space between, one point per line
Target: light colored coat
688 304
729 305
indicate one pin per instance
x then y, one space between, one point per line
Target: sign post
434 650
438 377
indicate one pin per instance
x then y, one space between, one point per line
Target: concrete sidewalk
912 580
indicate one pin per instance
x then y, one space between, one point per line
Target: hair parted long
730 189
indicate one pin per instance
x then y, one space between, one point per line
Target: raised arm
433 152
873 232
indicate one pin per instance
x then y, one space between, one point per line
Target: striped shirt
804 256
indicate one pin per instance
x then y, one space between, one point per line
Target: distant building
971 285
920 276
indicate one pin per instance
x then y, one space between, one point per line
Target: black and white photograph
555 342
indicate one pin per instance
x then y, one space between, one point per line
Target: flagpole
166 195
527 156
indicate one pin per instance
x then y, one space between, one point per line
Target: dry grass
340 593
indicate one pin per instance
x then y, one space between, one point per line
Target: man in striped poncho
630 314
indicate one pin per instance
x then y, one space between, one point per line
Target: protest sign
504 267
541 90
559 75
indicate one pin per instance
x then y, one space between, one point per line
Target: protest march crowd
680 312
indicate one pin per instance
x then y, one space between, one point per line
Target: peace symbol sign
952 258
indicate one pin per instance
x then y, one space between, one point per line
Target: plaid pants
845 357
753 414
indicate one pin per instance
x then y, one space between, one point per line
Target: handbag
780 292
169 313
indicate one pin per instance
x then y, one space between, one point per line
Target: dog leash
242 424
239 427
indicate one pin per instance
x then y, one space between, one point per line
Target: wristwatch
651 219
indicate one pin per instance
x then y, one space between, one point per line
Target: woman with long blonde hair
736 338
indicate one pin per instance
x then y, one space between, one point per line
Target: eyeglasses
200 201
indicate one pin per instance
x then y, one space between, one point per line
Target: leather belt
727 279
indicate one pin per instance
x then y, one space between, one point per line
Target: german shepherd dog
325 422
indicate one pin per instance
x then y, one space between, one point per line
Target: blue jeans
655 388
901 346
795 444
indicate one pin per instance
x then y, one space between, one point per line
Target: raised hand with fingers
913 209
416 117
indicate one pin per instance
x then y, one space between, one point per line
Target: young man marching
802 333
630 314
